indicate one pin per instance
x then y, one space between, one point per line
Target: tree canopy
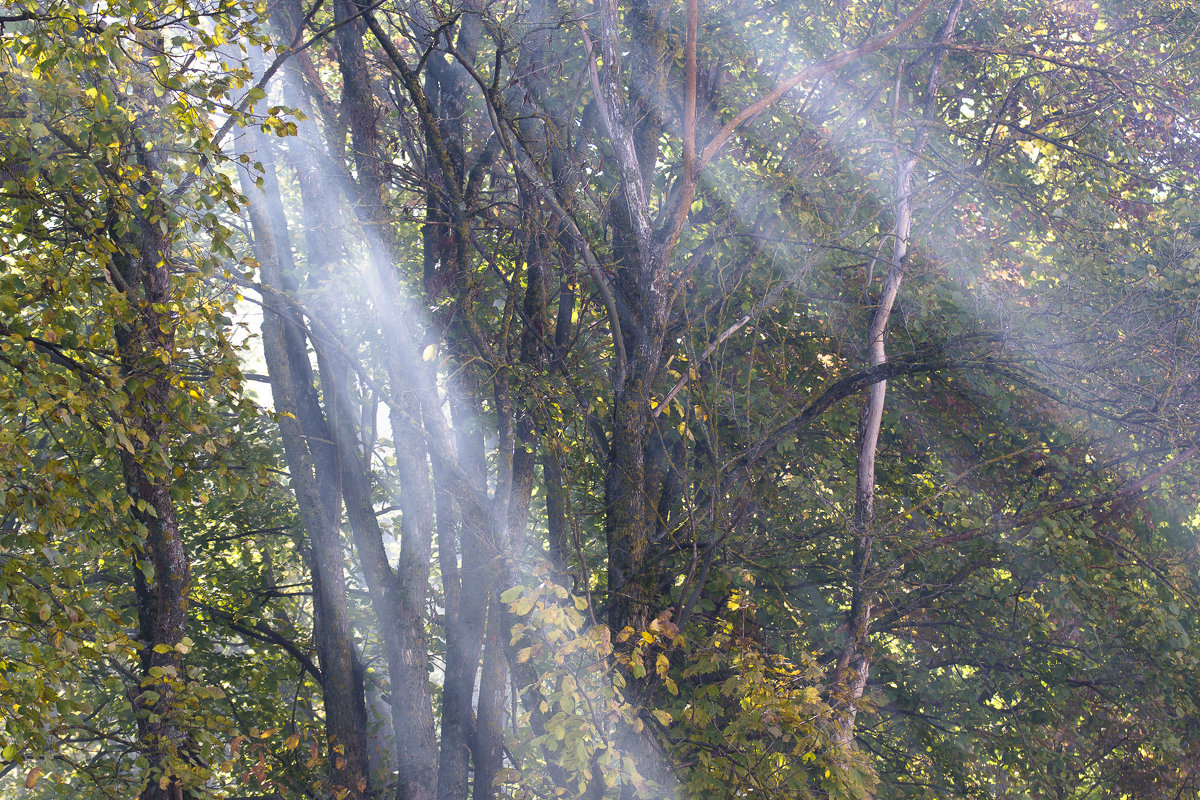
619 399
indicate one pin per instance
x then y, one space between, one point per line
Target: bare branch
818 70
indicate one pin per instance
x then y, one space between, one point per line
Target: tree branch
818 70
263 633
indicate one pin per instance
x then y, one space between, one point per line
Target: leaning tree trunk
314 468
854 662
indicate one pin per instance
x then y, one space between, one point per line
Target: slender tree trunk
466 596
314 468
399 595
487 746
518 459
854 662
465 622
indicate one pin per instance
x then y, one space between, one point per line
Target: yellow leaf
32 778
523 605
602 636
429 353
661 665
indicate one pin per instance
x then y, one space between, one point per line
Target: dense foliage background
621 398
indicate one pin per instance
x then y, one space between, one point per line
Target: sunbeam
618 399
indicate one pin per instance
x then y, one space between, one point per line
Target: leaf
506 775
523 605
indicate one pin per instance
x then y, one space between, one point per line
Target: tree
107 348
629 283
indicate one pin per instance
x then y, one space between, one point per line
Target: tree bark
854 662
315 473
162 572
398 595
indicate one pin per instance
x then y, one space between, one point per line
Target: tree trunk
855 655
315 477
162 574
399 596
